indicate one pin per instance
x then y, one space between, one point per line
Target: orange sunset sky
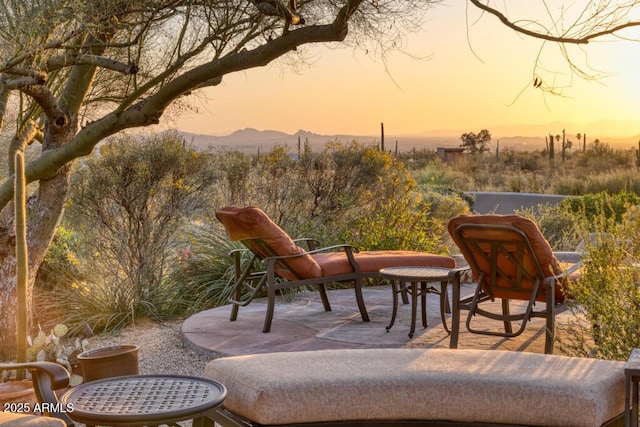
479 75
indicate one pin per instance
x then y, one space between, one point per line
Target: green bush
127 206
612 206
202 273
607 296
61 266
562 228
399 226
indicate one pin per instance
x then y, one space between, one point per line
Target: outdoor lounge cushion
252 223
489 386
11 419
333 263
246 223
541 248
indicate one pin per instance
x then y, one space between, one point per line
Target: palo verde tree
74 72
476 142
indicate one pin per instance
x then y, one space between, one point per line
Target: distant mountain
529 138
252 140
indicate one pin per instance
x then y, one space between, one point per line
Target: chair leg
505 311
360 299
550 331
235 307
234 312
394 311
323 297
455 313
423 303
271 304
445 307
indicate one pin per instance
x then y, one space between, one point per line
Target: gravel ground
161 349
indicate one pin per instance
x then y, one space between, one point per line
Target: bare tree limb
550 37
71 58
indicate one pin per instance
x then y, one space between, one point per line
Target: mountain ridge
529 138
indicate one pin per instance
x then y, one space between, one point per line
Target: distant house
449 154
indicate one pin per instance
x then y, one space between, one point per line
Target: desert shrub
440 174
562 228
445 202
607 296
202 273
569 185
127 205
612 206
61 265
600 157
401 224
612 182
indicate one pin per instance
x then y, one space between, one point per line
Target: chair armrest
347 248
47 377
457 272
239 251
569 257
312 244
548 281
58 377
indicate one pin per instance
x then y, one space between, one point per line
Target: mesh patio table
144 400
405 279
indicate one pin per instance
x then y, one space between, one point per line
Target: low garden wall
507 203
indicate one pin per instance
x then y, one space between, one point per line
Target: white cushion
10 419
421 384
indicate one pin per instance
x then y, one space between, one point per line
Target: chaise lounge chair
510 259
287 265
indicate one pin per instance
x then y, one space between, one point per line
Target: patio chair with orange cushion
510 259
287 265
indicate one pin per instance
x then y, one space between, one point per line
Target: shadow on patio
302 324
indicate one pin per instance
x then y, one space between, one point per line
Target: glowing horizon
472 83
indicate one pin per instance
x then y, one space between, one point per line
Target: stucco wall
507 203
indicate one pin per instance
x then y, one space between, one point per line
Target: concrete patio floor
302 324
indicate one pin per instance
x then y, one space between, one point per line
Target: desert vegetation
139 238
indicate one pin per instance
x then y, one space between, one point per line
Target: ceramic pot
109 362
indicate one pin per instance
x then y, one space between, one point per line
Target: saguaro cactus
22 258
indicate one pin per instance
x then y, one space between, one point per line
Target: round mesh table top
416 273
143 399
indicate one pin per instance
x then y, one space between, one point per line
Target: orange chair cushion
335 263
249 224
539 244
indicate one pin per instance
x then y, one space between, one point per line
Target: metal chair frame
251 282
495 280
47 377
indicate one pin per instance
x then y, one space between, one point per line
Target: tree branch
21 139
48 102
149 111
549 37
72 58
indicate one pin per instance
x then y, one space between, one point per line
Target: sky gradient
479 75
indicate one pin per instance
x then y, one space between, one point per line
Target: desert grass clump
606 298
610 205
563 229
614 181
202 274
